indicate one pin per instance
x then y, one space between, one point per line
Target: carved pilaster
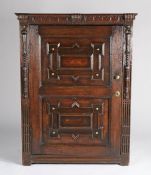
125 120
127 62
26 129
26 133
24 62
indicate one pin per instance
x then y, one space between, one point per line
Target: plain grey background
10 129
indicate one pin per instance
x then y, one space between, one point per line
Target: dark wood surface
75 87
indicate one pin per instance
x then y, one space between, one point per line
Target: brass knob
117 93
117 77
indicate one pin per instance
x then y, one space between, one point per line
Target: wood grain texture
75 87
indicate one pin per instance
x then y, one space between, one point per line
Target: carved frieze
82 19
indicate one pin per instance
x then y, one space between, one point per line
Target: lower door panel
73 126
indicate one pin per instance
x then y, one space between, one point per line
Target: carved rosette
125 120
26 129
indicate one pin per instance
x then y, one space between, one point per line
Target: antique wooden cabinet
75 87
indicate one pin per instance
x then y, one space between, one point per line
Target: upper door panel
77 56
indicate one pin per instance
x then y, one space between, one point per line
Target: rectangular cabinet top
76 19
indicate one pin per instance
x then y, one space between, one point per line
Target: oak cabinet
75 87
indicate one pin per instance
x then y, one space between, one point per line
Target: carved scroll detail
125 120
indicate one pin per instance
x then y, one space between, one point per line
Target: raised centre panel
75 120
75 60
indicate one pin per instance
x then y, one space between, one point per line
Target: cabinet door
75 84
